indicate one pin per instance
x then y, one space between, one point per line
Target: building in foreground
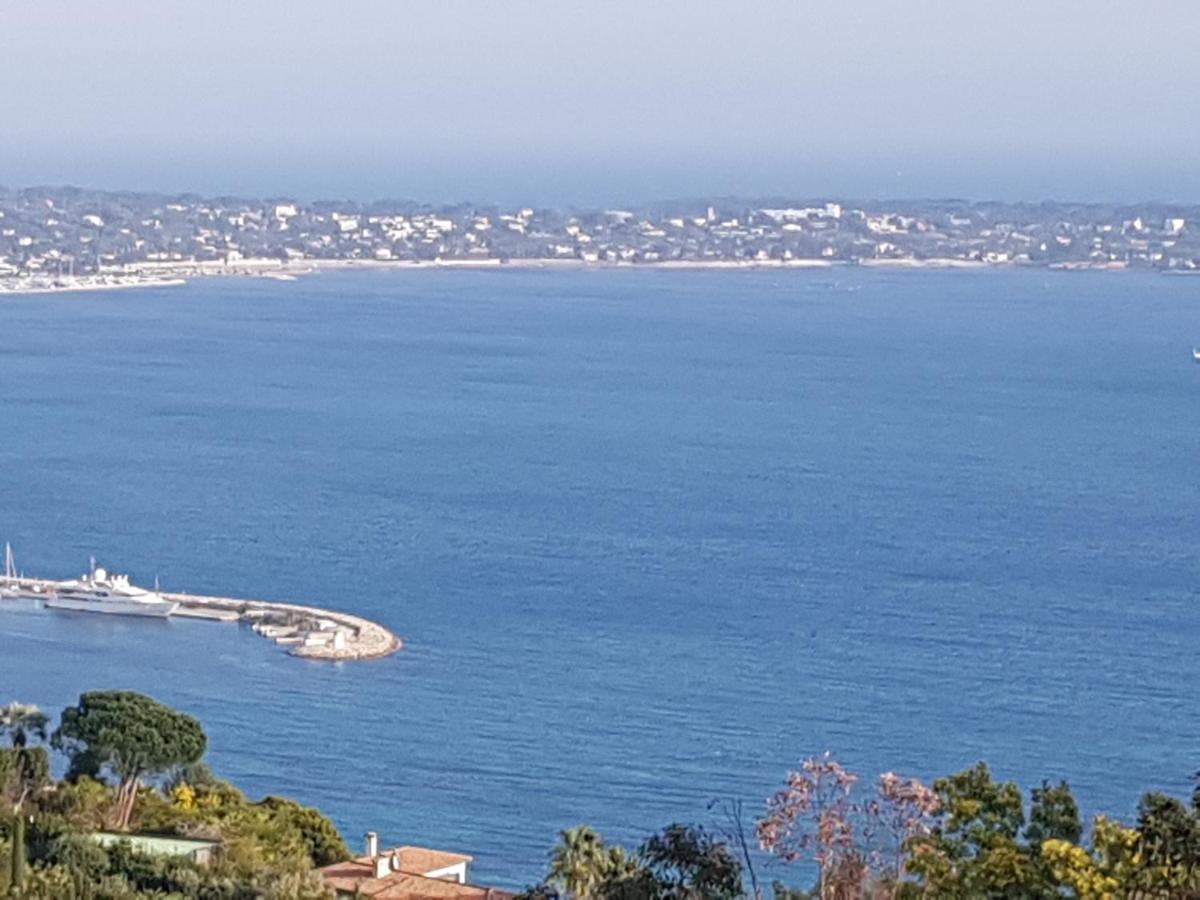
406 873
198 851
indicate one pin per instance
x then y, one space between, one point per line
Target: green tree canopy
686 861
681 862
1053 815
23 770
1170 843
582 862
130 734
322 841
974 850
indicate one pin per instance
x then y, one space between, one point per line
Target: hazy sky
605 101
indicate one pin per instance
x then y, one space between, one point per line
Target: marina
308 632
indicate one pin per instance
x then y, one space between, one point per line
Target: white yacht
104 592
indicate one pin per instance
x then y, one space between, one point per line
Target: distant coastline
61 238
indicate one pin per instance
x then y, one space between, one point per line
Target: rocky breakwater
308 632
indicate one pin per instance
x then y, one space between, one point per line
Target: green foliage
86 861
581 862
974 850
681 862
85 803
130 734
272 833
684 861
978 850
1169 844
1053 815
196 775
978 812
17 857
50 883
271 847
45 831
1160 858
322 842
96 873
23 771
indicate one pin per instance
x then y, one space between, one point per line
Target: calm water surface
651 538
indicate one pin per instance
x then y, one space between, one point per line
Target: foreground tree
16 875
811 818
582 862
131 735
973 850
1053 815
323 844
24 771
1109 869
683 862
1169 846
859 844
981 846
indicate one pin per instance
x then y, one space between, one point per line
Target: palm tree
581 862
20 720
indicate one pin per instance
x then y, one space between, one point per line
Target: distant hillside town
69 237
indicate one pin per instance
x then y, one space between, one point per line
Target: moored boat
103 592
14 586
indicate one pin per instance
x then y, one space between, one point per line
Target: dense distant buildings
60 236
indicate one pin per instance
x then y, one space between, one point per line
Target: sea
651 538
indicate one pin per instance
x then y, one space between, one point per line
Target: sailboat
13 587
1196 354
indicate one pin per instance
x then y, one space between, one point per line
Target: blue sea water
651 538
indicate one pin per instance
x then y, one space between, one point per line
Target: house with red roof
406 873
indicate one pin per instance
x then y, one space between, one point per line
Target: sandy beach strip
276 270
17 289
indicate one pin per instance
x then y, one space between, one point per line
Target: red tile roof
410 882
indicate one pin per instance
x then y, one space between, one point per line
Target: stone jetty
308 632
